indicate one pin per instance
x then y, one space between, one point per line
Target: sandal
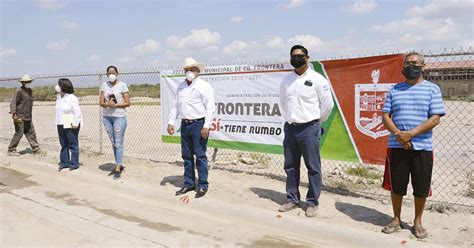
118 174
419 232
391 228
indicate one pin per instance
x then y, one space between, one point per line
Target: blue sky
54 36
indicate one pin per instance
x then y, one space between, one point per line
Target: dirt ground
86 208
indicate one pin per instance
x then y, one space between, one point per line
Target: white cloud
93 57
150 46
294 4
238 47
431 30
51 4
126 59
275 43
443 8
61 45
360 7
198 39
236 19
312 43
69 25
6 53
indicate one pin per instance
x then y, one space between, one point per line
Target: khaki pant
26 128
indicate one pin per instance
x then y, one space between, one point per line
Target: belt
305 123
191 121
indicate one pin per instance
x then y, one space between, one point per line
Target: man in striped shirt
411 110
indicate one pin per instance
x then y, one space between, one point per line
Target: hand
404 136
14 116
170 129
408 146
205 133
110 104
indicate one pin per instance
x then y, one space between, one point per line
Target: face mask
112 77
412 72
297 62
190 76
57 88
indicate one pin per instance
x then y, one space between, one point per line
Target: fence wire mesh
453 179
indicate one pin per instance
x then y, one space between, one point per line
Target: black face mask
297 62
411 72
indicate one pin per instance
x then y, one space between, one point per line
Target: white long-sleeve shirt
305 97
68 104
193 102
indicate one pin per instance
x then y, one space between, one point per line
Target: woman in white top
68 121
114 99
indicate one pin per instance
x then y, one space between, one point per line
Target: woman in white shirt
68 121
114 99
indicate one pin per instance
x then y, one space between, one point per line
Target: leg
200 148
187 155
64 159
30 134
72 137
422 167
292 164
309 146
120 125
19 130
108 124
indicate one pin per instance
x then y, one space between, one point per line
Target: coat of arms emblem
369 100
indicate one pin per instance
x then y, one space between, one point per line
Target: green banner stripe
234 145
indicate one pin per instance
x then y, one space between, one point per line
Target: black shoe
60 168
73 168
201 192
118 174
184 190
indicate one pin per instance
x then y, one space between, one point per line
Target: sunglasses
298 56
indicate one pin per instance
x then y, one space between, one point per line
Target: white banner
247 115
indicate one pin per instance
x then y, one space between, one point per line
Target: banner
360 87
248 116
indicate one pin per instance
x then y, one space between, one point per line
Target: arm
282 99
14 103
76 112
325 99
391 127
102 101
173 115
126 101
210 107
429 124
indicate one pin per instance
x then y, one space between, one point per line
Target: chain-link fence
453 179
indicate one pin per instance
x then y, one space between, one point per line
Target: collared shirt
116 90
411 105
22 103
193 101
68 104
305 97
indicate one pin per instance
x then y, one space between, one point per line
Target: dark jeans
302 140
69 140
26 128
193 147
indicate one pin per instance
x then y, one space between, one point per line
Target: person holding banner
411 110
114 99
194 105
68 121
306 101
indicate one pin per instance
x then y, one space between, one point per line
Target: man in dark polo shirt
21 107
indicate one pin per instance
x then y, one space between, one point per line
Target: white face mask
57 88
112 77
190 76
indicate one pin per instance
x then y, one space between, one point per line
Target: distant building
455 78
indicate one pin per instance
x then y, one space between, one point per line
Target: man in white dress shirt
194 105
306 101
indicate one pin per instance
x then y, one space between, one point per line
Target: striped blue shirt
410 106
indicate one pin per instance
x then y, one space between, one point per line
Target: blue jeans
193 145
69 140
115 127
302 140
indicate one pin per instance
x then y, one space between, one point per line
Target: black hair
66 85
302 48
111 67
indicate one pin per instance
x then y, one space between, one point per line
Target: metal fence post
100 121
